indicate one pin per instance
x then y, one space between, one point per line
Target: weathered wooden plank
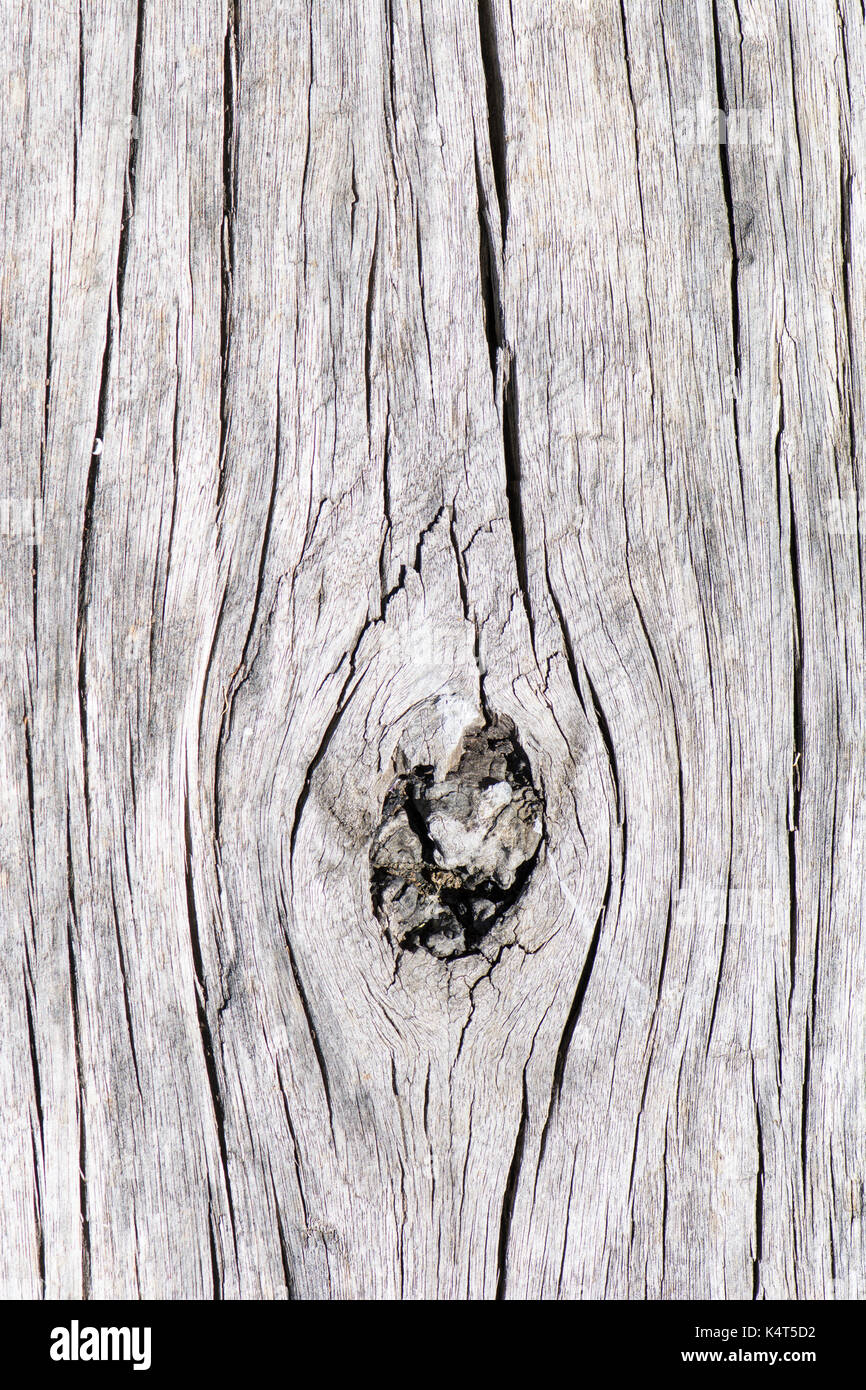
371 379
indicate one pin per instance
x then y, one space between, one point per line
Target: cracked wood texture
364 368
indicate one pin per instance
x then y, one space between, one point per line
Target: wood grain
367 373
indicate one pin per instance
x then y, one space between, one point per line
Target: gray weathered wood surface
365 367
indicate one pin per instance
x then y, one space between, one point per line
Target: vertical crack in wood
37 1153
296 1158
46 404
38 1216
572 1017
85 563
511 453
243 668
804 1108
665 945
633 104
389 19
31 796
368 320
215 1270
495 93
389 104
469 616
567 1226
681 807
309 139
78 115
777 446
201 1000
644 1089
604 730
845 181
759 1197
128 211
724 165
810 1034
779 1051
29 1000
343 699
834 1196
664 1230
794 101
727 922
567 646
175 456
637 603
490 291
284 1249
72 922
121 961
492 300
386 508
308 1014
80 63
510 1193
420 263
798 741
227 238
845 195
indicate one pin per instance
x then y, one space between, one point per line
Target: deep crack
455 849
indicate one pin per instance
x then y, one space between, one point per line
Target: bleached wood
365 370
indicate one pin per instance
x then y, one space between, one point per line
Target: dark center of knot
453 852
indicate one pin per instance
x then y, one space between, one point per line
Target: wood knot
454 849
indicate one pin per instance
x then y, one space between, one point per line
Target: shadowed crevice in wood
633 105
798 749
513 472
313 1032
491 298
231 58
245 665
495 106
722 97
510 1194
75 1014
202 1002
85 563
368 322
124 985
726 926
759 1198
284 1247
131 157
79 110
46 409
419 258
215 1272
31 791
33 1051
454 852
571 1020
